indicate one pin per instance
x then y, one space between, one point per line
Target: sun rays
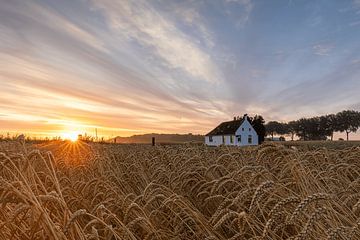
72 136
71 153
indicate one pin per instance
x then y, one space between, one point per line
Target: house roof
226 128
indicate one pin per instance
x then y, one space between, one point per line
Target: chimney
234 118
246 116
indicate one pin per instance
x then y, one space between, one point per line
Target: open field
313 145
80 191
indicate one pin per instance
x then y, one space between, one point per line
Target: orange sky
133 67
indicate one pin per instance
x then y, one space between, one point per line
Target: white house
238 132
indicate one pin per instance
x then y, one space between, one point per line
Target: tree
274 127
314 128
258 124
301 128
291 128
283 129
317 128
328 125
348 121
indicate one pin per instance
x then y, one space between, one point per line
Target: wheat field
61 190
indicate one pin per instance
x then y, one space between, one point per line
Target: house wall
217 141
248 130
228 140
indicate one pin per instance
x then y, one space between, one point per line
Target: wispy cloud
131 66
355 23
138 21
191 16
247 7
356 4
322 49
63 70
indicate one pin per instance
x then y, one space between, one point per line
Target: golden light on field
72 136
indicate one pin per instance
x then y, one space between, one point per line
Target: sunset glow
72 136
137 66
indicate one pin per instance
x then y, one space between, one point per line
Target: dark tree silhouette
291 129
301 128
348 121
317 128
274 127
328 125
258 124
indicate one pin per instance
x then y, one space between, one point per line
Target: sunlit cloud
131 67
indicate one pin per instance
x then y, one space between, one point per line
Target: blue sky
129 67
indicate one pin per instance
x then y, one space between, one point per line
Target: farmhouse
238 132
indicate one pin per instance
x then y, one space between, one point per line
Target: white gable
245 135
245 127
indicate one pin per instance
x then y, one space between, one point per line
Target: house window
243 129
210 139
231 139
223 139
249 129
250 139
239 138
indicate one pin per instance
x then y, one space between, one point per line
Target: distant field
322 144
62 190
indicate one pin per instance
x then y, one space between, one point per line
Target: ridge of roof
226 128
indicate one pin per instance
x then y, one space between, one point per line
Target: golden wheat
61 190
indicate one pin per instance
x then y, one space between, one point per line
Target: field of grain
314 145
60 190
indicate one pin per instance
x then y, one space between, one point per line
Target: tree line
317 128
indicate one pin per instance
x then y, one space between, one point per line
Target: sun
72 136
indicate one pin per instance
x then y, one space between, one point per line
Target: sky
168 66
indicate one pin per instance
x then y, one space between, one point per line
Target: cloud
191 16
356 4
315 21
322 49
355 23
160 66
247 7
68 71
138 21
356 61
333 91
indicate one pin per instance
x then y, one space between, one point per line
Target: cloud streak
138 21
128 67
